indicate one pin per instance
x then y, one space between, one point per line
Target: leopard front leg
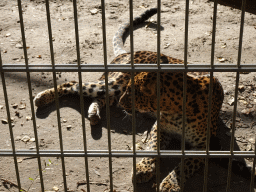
146 168
172 182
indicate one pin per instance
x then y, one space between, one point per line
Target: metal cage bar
128 153
79 68
56 93
107 96
158 93
184 93
133 92
13 151
30 94
236 94
81 95
128 68
210 96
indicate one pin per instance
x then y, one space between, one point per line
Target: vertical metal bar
133 94
184 95
81 95
30 94
233 133
210 97
236 94
56 93
186 34
253 170
131 33
158 93
213 32
10 126
241 33
107 95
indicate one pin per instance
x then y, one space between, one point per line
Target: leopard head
145 93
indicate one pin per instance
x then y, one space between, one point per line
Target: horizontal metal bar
127 153
127 68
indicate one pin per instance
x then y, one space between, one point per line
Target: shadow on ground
218 168
237 4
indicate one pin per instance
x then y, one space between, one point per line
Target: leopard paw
145 170
170 183
167 187
94 113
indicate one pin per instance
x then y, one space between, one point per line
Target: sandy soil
90 31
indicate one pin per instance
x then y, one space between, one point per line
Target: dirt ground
91 48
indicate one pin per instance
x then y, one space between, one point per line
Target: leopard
171 119
145 92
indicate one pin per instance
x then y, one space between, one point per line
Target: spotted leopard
171 91
171 101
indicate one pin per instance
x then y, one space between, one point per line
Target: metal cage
79 68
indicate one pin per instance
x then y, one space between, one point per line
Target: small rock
252 140
69 127
25 139
18 138
28 118
19 160
249 106
241 88
32 139
19 46
55 188
14 106
4 121
167 45
231 101
94 11
246 111
23 106
221 59
243 102
1 106
249 147
7 34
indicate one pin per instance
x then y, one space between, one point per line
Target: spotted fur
171 102
171 91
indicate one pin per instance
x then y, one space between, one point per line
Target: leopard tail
119 38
